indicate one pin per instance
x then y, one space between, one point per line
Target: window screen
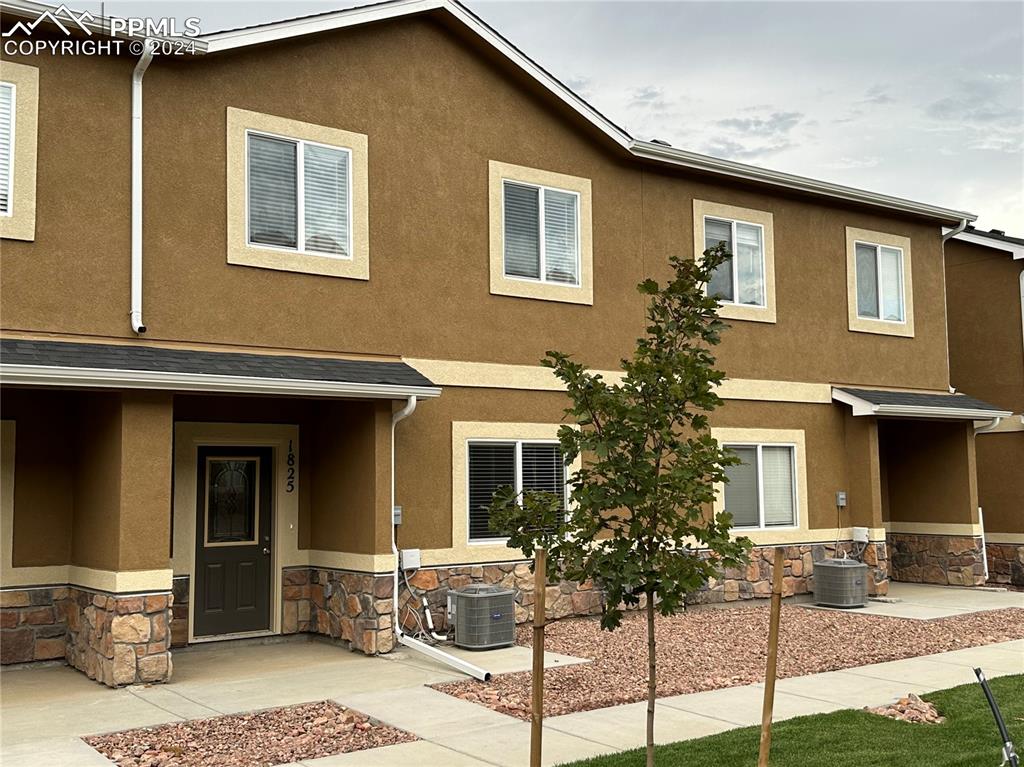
6 145
721 284
326 193
741 490
491 465
273 194
541 233
867 281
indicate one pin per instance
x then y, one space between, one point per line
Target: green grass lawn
967 738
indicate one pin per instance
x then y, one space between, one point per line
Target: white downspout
396 623
990 426
984 545
945 300
137 75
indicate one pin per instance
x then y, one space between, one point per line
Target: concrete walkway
919 601
44 711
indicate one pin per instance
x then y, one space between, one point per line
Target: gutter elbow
955 230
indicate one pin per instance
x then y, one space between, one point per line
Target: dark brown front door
233 540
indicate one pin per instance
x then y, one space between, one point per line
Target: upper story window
740 278
879 282
19 113
541 227
7 96
880 295
744 284
298 195
523 465
761 491
540 234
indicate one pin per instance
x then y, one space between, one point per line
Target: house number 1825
290 477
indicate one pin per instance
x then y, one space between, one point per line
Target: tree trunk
652 683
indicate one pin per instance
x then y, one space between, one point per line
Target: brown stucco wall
146 465
986 350
350 466
98 483
864 491
440 113
930 469
1001 481
43 470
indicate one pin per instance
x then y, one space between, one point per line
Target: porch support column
118 607
864 494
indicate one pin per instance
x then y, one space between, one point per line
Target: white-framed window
525 465
762 490
541 227
8 102
740 279
298 195
879 282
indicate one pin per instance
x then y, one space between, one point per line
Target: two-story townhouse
308 280
985 296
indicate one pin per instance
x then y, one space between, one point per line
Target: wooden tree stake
537 707
773 656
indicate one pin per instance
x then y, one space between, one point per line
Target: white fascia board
1017 251
43 375
26 9
861 407
681 157
265 33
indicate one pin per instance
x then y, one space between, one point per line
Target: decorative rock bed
709 649
257 739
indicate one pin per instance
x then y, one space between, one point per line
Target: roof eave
101 378
1016 251
695 161
862 407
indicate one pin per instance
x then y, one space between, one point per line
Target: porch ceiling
136 366
917 404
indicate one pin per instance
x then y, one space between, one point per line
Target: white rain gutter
148 47
990 426
396 624
955 230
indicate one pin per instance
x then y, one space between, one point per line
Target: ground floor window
761 491
521 464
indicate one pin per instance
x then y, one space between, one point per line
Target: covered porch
918 450
158 496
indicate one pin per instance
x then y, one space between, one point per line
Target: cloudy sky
923 100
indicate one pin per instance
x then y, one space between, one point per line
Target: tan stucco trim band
493 375
21 223
765 220
935 528
1013 539
357 266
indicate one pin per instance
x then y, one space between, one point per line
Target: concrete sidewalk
44 711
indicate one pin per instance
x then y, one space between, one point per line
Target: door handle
266 550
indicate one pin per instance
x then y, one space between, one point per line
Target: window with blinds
525 466
761 491
541 233
299 195
740 278
6 148
879 282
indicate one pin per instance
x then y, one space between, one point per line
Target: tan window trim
20 223
703 209
583 293
860 324
240 122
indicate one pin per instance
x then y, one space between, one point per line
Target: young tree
639 521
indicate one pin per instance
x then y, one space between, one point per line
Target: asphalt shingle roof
918 399
156 359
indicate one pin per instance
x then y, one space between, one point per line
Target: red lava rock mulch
258 739
708 649
909 709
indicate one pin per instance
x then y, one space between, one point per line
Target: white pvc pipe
136 299
984 548
396 623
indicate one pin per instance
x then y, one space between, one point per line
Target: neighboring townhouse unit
985 297
311 282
